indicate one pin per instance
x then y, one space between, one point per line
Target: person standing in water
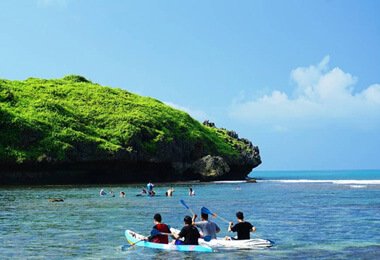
243 228
150 187
169 192
191 192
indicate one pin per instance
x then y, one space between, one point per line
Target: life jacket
162 239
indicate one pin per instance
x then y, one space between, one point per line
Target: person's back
191 235
162 239
161 227
243 228
150 186
189 232
207 227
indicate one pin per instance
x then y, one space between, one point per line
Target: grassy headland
72 120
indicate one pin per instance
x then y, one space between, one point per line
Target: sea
307 214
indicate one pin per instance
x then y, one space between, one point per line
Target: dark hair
240 215
188 220
204 216
157 217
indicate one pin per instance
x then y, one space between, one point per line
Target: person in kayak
207 227
243 228
189 232
160 227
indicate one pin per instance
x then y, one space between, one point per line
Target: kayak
221 243
137 240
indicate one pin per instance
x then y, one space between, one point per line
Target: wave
229 181
344 182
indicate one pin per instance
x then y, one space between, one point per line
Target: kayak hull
136 239
221 243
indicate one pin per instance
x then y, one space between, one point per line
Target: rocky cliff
71 130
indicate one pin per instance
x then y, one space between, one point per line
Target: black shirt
243 229
191 235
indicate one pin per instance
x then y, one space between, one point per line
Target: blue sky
300 79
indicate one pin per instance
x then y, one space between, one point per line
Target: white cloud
321 96
197 114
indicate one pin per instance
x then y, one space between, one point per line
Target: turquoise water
307 217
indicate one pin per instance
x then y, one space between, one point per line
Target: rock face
211 167
72 131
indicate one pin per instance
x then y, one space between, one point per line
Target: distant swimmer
122 194
112 193
191 192
102 192
169 192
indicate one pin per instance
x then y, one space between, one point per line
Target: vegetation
63 119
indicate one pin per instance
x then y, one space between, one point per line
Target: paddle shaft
185 205
137 242
225 220
207 211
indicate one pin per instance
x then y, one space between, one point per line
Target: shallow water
325 220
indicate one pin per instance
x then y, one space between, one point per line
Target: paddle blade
205 210
184 204
207 238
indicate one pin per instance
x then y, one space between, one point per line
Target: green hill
68 123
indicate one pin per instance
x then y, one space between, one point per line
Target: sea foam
342 182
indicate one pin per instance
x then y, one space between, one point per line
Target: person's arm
217 228
194 217
252 227
230 227
179 235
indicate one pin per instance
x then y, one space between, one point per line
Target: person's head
204 216
157 217
240 215
188 220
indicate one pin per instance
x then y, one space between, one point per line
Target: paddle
184 204
153 233
138 241
207 211
156 232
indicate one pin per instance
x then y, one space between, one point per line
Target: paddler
207 227
189 232
159 228
243 228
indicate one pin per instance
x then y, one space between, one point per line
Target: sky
300 79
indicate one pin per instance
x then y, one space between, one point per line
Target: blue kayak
138 240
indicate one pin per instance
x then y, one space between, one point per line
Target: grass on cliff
42 118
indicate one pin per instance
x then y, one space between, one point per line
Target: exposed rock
208 123
211 167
